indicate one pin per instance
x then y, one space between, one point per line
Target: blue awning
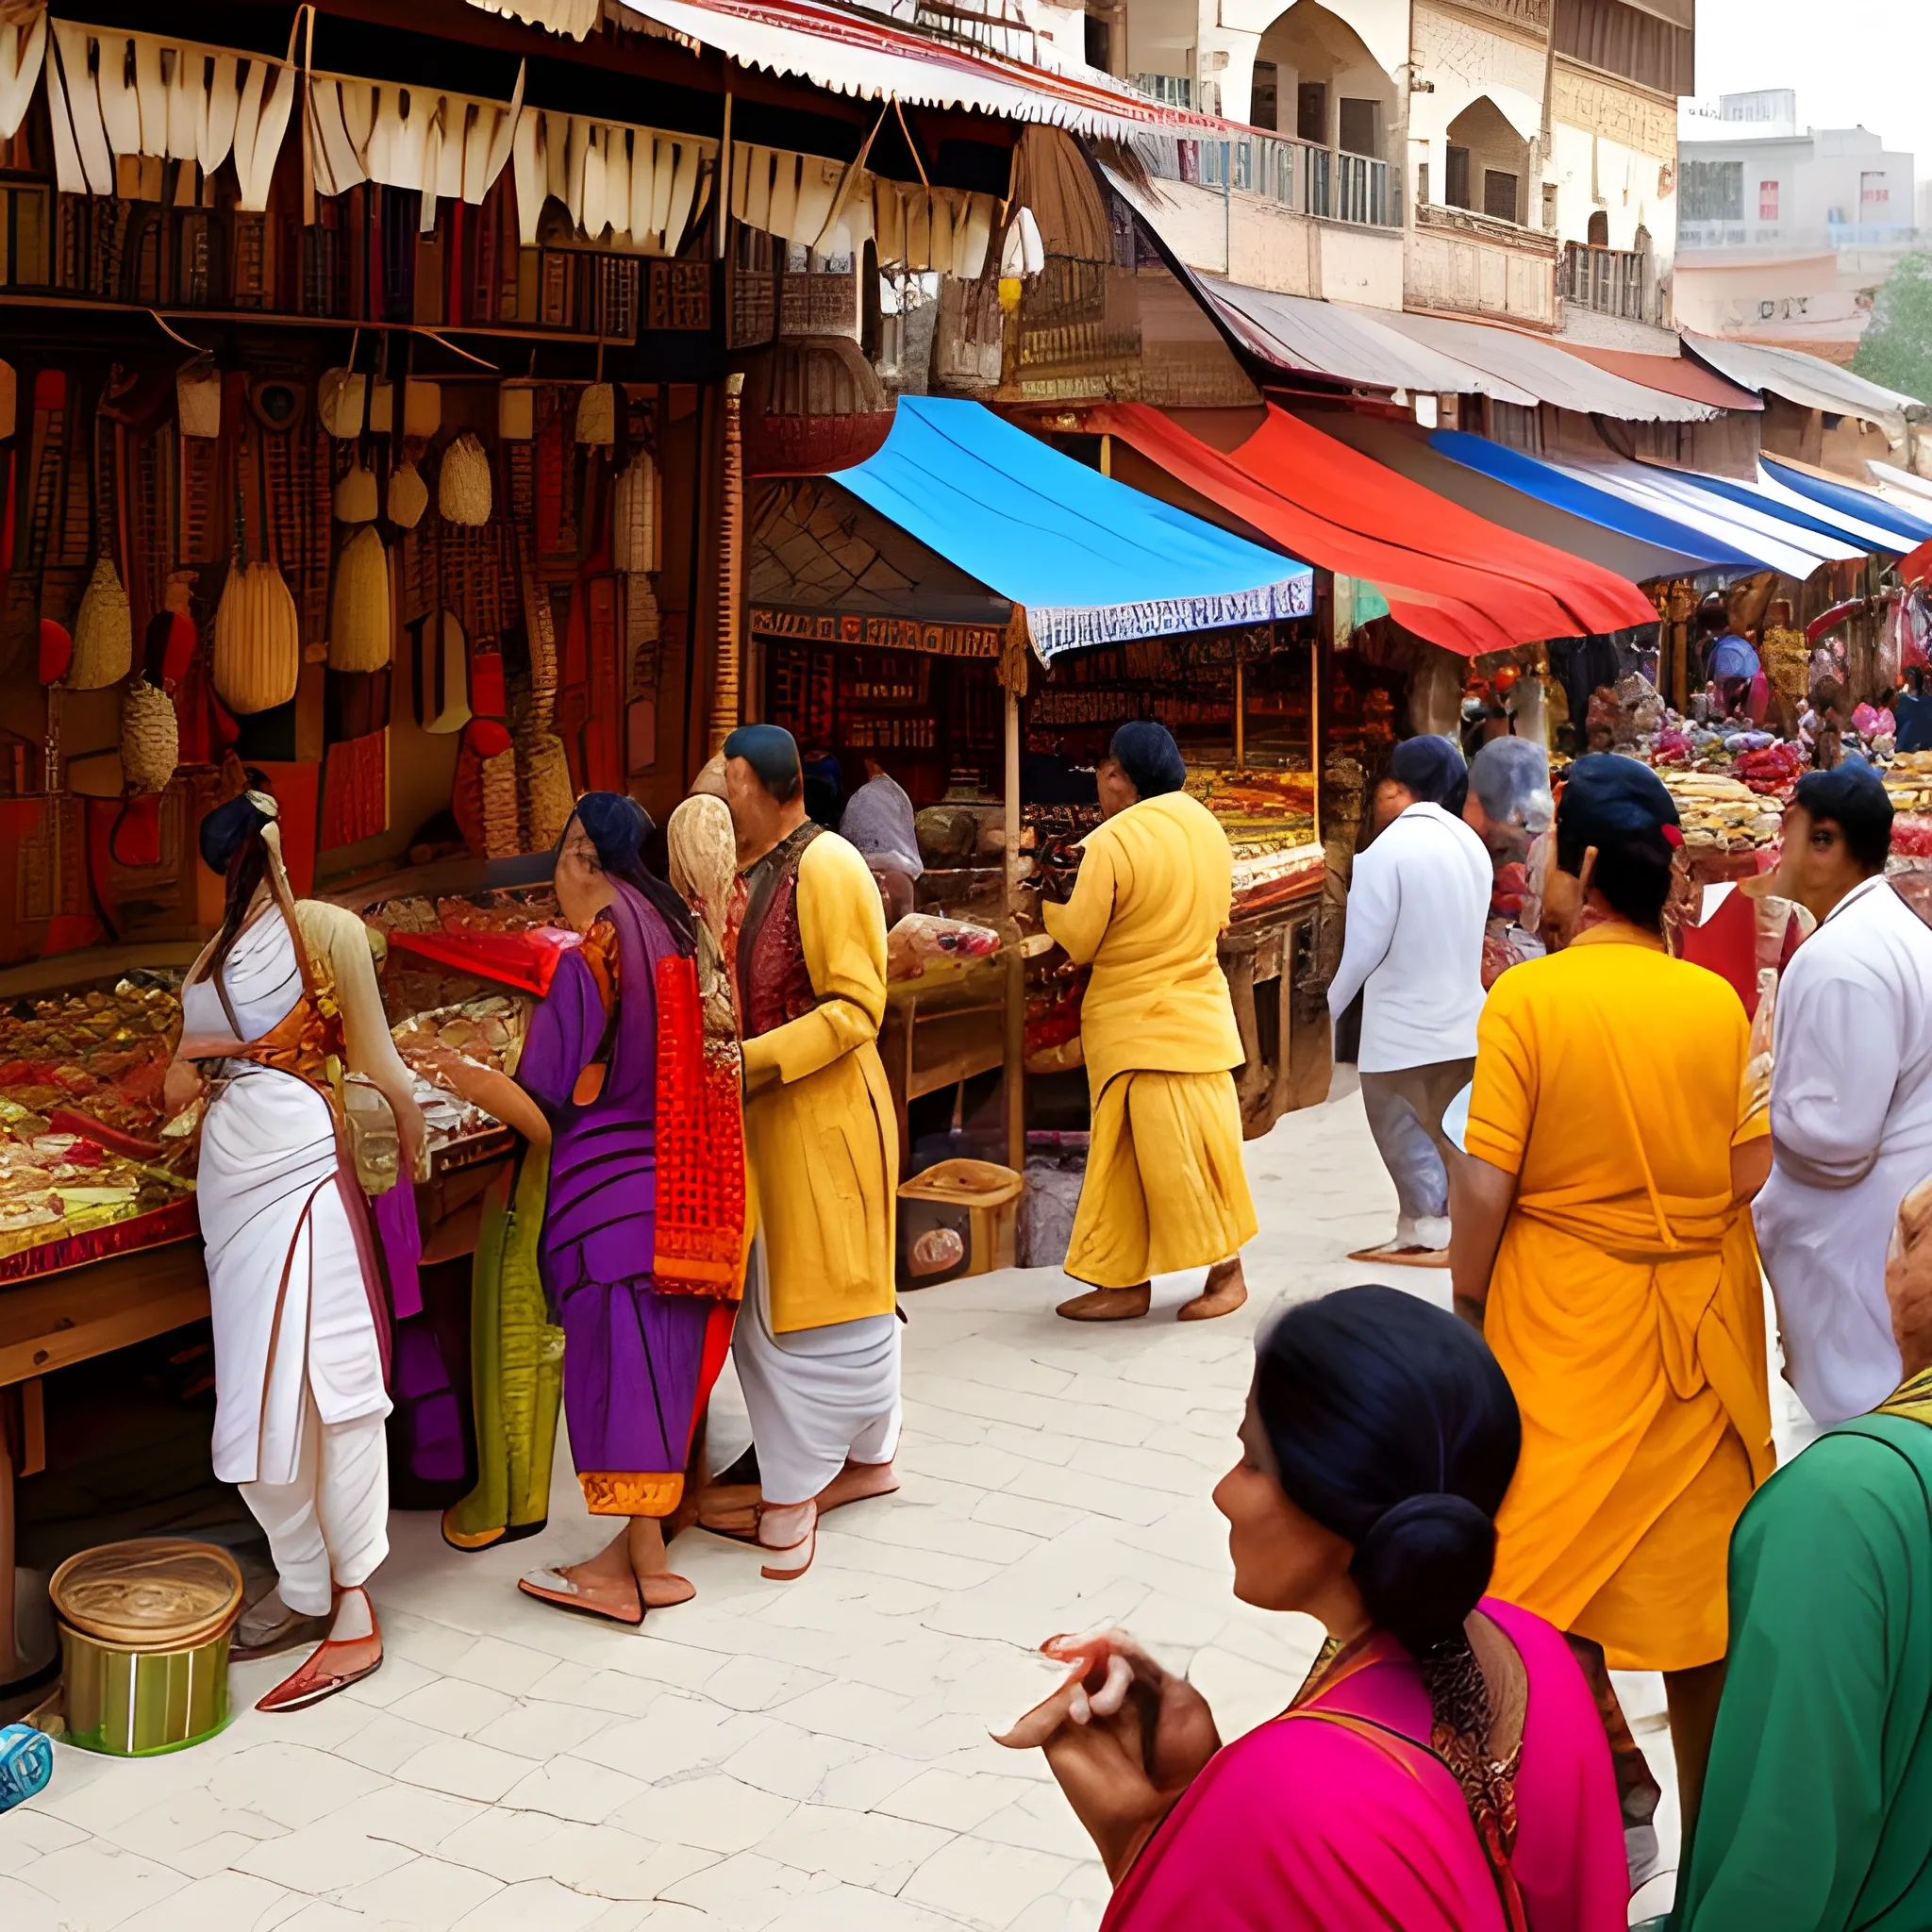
1867 506
1564 489
1770 496
1092 561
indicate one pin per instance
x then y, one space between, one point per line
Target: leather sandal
289 1632
554 1587
333 1665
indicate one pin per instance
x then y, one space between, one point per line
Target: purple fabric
397 1230
427 1417
631 1355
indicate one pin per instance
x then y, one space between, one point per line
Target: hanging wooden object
634 515
340 401
724 694
441 674
356 499
198 398
812 404
258 641
408 496
597 414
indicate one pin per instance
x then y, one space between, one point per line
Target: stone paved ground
812 1757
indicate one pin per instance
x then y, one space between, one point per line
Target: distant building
1783 235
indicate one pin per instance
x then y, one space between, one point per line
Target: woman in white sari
278 1005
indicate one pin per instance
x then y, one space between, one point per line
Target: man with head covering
818 1347
1511 809
1165 1186
1602 1244
1850 1093
1418 904
879 822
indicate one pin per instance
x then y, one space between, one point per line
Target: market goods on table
1722 812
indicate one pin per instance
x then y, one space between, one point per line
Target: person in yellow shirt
1165 1187
1602 1242
817 1343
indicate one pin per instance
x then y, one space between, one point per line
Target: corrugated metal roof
1564 381
1807 381
1349 343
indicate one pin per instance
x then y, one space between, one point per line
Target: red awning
1449 575
1677 375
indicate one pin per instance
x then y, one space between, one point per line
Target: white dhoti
328 1528
816 1397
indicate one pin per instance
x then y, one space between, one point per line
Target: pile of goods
923 941
498 912
1908 785
93 1062
488 1030
1722 815
56 1186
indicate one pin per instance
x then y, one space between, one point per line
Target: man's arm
1831 1085
1368 928
842 927
1480 1198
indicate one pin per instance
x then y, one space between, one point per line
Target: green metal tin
131 1703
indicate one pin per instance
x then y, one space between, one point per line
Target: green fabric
516 1359
1816 1813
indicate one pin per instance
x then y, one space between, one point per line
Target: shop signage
880 633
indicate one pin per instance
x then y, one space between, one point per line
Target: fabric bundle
932 229
358 620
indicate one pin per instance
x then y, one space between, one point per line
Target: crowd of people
1488 1510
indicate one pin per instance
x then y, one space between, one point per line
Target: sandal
490 1539
1412 1257
289 1632
328 1668
554 1587
785 1571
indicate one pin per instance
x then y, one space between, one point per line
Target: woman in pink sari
1443 1767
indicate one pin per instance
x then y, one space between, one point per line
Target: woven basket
462 484
546 786
597 414
359 614
150 737
258 645
103 633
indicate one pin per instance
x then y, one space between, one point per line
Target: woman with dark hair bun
1602 1241
1442 1768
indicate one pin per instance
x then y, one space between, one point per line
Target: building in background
1787 231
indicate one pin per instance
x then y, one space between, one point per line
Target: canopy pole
1013 672
725 671
721 188
1106 454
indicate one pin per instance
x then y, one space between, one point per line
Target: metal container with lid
144 1630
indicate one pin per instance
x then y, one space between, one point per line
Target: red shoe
333 1665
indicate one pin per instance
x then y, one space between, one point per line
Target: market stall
972 614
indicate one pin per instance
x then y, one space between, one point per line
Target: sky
1853 62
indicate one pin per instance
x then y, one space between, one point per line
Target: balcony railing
1324 183
1792 237
1610 281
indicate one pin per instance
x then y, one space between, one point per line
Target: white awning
1349 343
1808 381
872 59
1564 381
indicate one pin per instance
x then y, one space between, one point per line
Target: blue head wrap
618 826
771 752
1433 769
1609 798
227 829
1148 755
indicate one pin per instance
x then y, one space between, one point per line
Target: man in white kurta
1417 906
1851 1096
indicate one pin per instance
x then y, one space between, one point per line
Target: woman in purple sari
602 1059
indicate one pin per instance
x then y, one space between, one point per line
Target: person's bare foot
856 1482
1227 1289
1107 1304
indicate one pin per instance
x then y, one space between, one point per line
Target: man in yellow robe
1602 1242
817 1341
1165 1186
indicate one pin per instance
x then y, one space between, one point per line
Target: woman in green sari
1816 1813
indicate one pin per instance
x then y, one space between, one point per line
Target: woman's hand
182 1087
1122 1736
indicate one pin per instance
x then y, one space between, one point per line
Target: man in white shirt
1851 1094
1416 910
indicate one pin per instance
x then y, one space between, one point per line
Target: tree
1896 348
